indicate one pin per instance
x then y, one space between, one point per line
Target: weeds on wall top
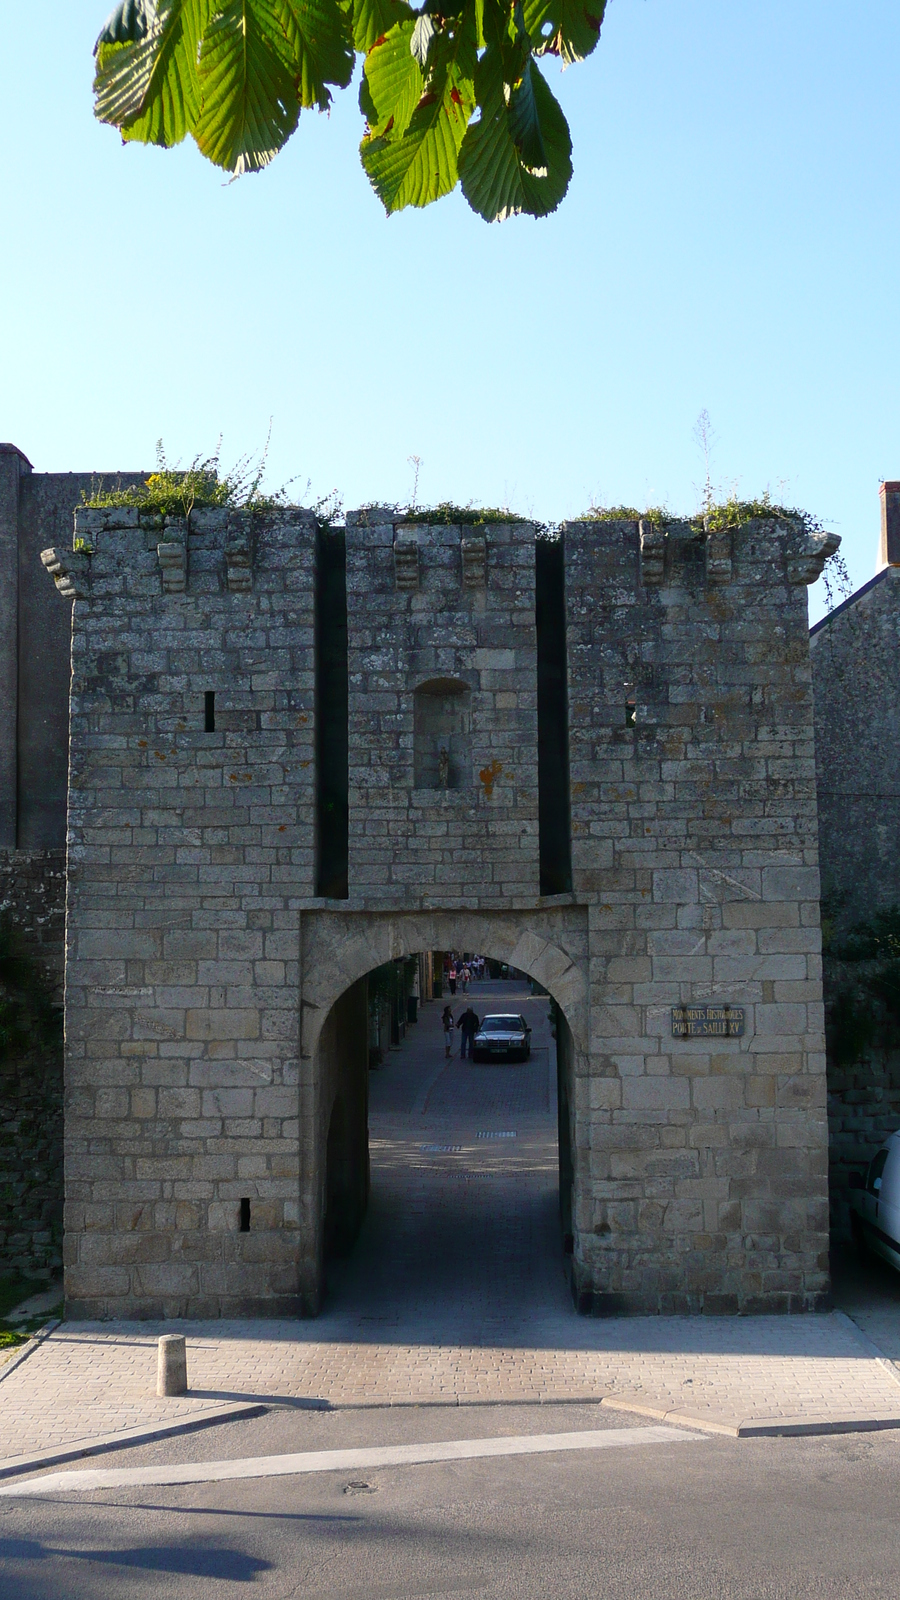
714 518
655 514
450 516
718 517
177 491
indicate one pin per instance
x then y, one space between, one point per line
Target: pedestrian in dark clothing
468 1025
447 1025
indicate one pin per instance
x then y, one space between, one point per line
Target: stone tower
298 752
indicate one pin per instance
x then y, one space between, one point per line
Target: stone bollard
171 1366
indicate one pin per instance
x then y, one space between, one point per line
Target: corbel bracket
718 557
406 562
70 571
239 557
474 561
804 565
653 554
173 565
172 553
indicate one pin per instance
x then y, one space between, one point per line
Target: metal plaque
707 1022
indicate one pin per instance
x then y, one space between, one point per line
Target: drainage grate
496 1135
441 1149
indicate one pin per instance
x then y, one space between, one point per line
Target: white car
502 1036
875 1203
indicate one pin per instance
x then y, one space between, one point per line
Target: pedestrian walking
447 1025
451 979
465 975
468 1025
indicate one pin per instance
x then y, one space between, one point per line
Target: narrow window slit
332 689
554 826
245 1216
209 711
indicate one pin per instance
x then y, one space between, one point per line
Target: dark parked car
875 1203
502 1038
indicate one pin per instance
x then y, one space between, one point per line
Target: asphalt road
723 1519
713 1519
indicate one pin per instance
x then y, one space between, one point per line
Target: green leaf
418 168
148 86
566 28
318 39
525 122
393 82
495 179
373 19
250 102
422 35
420 165
132 20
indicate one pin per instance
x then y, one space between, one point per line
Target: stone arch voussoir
341 948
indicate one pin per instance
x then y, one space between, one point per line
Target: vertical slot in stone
554 824
332 750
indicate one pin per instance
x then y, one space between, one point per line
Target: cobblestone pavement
456 1293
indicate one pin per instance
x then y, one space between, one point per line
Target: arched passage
338 955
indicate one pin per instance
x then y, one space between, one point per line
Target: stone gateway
299 752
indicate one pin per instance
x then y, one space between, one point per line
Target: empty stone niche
443 739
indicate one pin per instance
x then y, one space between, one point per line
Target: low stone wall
31 1160
33 905
32 919
863 1108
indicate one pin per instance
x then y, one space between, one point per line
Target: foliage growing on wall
716 517
862 983
31 1090
235 75
27 1013
177 491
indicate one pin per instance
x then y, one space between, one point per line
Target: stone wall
205 1055
32 914
36 510
694 844
863 1109
423 610
31 1137
854 652
33 905
190 852
854 659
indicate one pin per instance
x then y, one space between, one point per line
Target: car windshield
502 1025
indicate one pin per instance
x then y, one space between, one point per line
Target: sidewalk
456 1295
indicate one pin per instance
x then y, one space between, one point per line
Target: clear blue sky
729 242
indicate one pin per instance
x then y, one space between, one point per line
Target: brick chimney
890 525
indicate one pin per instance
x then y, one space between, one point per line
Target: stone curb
875 1351
34 1342
730 1427
761 1427
129 1436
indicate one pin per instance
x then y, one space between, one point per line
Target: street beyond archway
463 1232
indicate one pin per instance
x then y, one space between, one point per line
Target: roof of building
850 601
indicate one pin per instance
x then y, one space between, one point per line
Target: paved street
490 1442
709 1519
456 1294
